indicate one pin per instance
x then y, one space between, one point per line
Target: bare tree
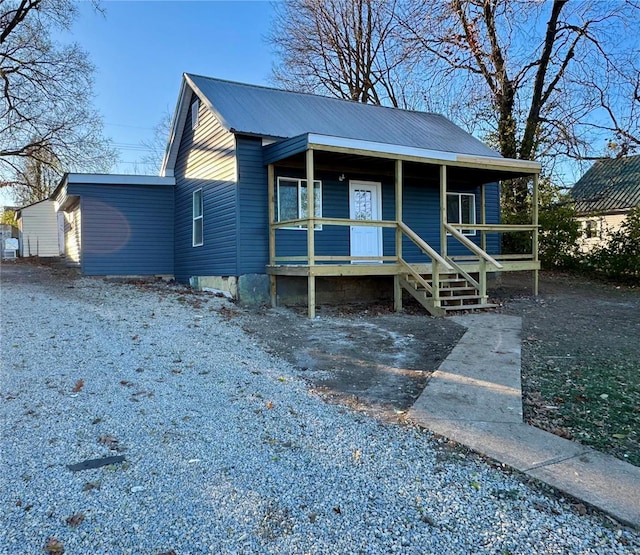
46 116
157 145
553 80
350 49
36 179
548 80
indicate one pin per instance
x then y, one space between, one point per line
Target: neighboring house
38 225
604 195
400 200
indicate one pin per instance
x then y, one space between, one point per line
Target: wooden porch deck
445 283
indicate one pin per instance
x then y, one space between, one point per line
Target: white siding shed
38 224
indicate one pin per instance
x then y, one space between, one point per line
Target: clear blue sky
140 50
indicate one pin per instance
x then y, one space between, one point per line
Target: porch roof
496 167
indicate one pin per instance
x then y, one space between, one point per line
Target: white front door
365 203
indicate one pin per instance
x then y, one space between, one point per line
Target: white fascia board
118 179
383 148
177 127
502 163
205 100
428 155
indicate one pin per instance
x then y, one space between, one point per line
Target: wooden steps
455 293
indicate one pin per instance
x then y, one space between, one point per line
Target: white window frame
197 218
467 232
300 193
195 113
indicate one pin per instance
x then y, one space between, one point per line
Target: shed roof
609 185
268 112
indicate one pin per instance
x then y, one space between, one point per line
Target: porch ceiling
341 154
425 172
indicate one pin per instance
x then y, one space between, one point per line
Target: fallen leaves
77 388
228 313
75 520
88 486
54 547
111 442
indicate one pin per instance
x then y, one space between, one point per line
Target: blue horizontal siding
126 229
331 240
492 211
206 160
253 209
421 212
284 149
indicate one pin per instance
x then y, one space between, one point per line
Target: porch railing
439 263
478 253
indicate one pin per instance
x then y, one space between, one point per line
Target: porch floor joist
338 270
335 270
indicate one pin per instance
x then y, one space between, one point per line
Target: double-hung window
198 224
461 209
292 200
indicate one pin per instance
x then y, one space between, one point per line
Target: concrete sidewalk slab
475 399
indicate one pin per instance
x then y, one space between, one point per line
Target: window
198 228
591 229
461 209
195 109
292 200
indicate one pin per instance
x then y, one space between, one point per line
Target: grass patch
596 403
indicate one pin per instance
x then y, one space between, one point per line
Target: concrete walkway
475 399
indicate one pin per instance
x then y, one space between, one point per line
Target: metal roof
609 185
267 112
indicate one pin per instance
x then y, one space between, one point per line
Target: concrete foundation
222 283
248 289
253 289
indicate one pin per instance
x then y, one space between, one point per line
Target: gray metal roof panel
609 185
256 110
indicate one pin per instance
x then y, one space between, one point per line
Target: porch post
311 279
482 276
443 210
397 289
534 217
272 233
483 215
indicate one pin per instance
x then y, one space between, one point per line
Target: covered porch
428 219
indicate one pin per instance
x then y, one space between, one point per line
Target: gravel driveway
226 450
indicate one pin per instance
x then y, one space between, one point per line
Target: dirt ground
379 362
366 357
580 360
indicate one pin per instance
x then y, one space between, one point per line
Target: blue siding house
400 202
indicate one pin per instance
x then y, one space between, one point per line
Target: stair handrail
472 246
424 246
419 279
470 280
